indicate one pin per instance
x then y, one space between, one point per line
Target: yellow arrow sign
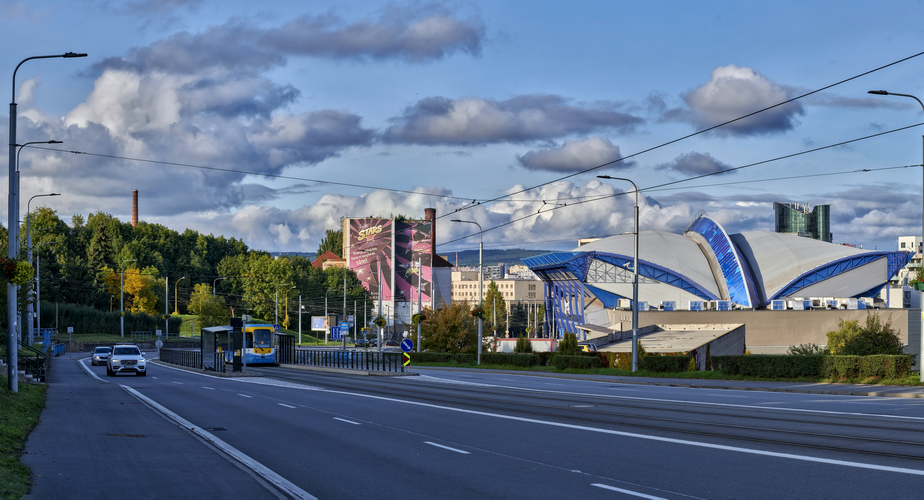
407 359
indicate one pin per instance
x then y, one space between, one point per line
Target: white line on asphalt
430 378
177 383
274 478
750 451
84 365
347 421
209 388
283 404
627 492
447 448
244 395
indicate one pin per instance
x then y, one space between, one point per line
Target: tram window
248 340
263 337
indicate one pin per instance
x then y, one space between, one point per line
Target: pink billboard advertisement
370 249
413 244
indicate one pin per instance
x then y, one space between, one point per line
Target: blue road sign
407 345
276 328
335 333
344 326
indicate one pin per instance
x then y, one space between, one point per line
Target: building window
903 244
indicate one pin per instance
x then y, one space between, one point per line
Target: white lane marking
209 388
627 492
447 448
274 478
88 370
283 404
177 383
245 396
347 421
429 378
749 451
153 377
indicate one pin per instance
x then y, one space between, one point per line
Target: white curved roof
778 258
671 251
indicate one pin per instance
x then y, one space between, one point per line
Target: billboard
369 246
320 323
413 244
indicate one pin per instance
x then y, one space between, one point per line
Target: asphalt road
466 434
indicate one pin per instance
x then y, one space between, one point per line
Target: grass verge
19 413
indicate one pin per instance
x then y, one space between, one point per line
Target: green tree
523 345
495 308
874 337
332 242
450 329
568 346
211 309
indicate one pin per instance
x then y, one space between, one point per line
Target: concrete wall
539 345
772 332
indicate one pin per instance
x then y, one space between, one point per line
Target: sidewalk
94 439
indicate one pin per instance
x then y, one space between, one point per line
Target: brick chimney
134 207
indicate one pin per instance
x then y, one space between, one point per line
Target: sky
270 121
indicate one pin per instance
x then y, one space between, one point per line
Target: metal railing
142 337
192 358
353 360
29 359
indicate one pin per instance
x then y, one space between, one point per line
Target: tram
259 344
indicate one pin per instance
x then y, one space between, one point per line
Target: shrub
885 366
523 345
726 364
569 345
875 337
623 360
544 357
563 362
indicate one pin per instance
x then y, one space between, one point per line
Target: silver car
126 358
100 355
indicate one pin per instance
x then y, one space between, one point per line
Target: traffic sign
407 345
344 326
159 344
407 358
275 328
335 333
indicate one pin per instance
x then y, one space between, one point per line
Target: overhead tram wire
245 172
783 103
655 187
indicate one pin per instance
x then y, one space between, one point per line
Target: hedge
795 366
505 358
670 364
442 357
563 362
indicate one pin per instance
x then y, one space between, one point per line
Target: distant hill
307 255
510 256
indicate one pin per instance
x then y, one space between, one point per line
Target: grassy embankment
19 413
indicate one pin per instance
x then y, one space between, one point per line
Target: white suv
126 358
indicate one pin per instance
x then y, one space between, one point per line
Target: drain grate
126 435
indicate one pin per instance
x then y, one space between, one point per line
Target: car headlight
115 361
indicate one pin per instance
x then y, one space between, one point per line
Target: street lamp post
326 317
634 277
285 303
13 222
38 285
122 295
176 298
920 248
480 280
29 307
276 308
215 284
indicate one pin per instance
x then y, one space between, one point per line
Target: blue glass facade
741 289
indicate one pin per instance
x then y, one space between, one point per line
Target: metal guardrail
142 337
353 360
192 358
59 349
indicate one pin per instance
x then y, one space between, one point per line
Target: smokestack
134 207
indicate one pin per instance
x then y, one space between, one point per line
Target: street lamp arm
66 55
885 92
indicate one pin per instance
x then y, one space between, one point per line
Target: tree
875 337
140 286
495 307
569 345
332 242
211 310
450 329
523 345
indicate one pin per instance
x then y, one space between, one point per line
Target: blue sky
439 104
